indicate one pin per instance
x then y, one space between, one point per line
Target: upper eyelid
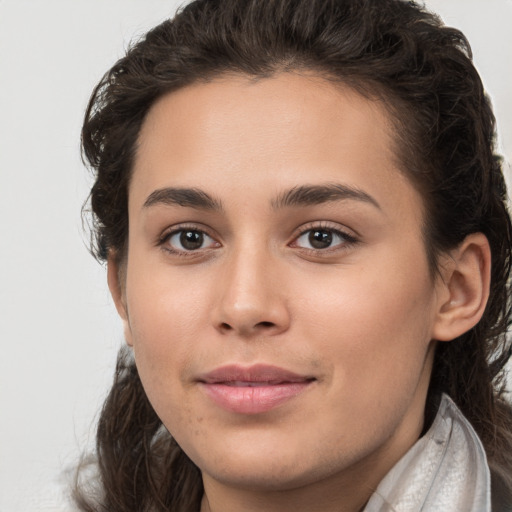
333 230
326 225
171 230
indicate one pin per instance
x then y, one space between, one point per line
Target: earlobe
116 287
464 288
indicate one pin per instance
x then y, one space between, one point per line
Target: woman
308 244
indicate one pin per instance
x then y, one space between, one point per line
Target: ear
463 288
115 278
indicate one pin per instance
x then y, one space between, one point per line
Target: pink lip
254 389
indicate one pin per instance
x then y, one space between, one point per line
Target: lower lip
253 400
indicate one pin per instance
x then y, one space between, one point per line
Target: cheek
165 318
165 306
373 324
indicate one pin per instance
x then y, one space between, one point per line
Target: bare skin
270 225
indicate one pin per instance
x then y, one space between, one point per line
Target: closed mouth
252 390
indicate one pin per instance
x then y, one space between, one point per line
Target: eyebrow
191 197
309 195
304 195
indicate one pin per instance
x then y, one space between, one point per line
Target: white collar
446 470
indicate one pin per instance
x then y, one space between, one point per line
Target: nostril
265 324
225 327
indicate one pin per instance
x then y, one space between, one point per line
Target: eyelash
348 239
164 239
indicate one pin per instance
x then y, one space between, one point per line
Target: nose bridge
250 298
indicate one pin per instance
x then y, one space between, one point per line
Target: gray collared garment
445 471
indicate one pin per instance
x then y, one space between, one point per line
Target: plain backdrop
58 329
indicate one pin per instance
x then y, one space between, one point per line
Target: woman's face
277 293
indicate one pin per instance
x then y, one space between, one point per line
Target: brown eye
320 238
189 240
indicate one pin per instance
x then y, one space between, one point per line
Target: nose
251 298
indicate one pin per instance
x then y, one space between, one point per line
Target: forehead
289 104
280 131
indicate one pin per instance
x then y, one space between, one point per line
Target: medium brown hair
394 50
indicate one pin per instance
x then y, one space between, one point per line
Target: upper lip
261 373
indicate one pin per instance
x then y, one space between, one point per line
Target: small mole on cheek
199 419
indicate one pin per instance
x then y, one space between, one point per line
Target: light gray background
58 329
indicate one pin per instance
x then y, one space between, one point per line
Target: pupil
320 239
191 240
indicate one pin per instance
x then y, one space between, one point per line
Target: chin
268 468
272 476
